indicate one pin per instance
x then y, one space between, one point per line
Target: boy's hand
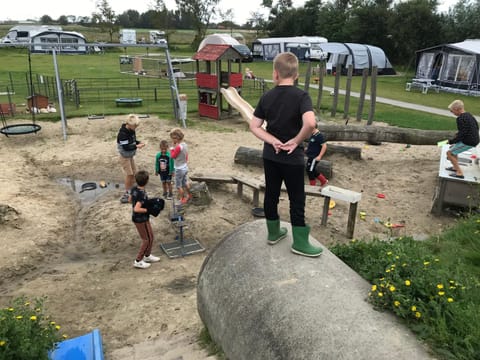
289 146
277 145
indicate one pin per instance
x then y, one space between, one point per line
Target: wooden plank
213 178
254 184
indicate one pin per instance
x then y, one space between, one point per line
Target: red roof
213 52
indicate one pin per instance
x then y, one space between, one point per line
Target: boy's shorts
128 165
459 147
181 178
165 177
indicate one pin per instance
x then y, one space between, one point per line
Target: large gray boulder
263 302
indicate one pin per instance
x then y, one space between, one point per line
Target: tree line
399 28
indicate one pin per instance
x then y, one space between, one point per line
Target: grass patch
433 285
209 345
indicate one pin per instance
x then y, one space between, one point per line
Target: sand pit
78 249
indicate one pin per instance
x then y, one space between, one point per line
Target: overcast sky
56 8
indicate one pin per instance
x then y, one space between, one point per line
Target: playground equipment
181 246
212 79
55 46
234 99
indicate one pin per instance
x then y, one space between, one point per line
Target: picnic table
129 101
423 84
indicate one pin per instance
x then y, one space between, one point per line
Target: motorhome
157 37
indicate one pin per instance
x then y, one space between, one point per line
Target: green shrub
25 332
430 285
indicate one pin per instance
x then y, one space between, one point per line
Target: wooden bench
129 101
328 192
333 192
253 184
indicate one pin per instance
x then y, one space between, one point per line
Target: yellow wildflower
391 288
33 318
374 287
57 327
396 303
407 282
413 308
380 294
389 253
2 342
27 303
10 309
426 263
418 314
440 286
65 336
450 300
441 293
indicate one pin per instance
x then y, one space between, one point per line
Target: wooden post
321 74
348 89
352 214
307 77
338 71
373 95
363 90
326 207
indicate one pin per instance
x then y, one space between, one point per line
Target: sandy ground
77 248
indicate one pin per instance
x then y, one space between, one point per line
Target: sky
56 8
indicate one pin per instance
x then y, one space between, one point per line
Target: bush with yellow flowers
26 333
432 285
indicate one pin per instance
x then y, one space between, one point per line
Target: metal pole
60 94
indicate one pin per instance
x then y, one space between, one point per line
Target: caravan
302 46
128 36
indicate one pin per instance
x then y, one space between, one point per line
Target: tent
218 39
359 55
454 67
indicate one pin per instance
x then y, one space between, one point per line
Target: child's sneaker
165 195
141 264
169 196
124 198
183 200
151 258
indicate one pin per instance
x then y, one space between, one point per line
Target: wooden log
375 134
250 156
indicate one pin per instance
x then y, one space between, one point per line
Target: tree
62 20
46 20
105 18
129 19
414 25
201 12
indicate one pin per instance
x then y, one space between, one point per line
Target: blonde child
179 153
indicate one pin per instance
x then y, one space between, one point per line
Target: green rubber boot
275 232
301 245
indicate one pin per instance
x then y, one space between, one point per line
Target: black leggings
293 176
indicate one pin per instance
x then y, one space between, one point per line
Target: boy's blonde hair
456 105
286 65
176 132
133 119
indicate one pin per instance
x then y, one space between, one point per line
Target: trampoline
20 129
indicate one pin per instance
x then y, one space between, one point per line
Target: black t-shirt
315 144
282 108
138 195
